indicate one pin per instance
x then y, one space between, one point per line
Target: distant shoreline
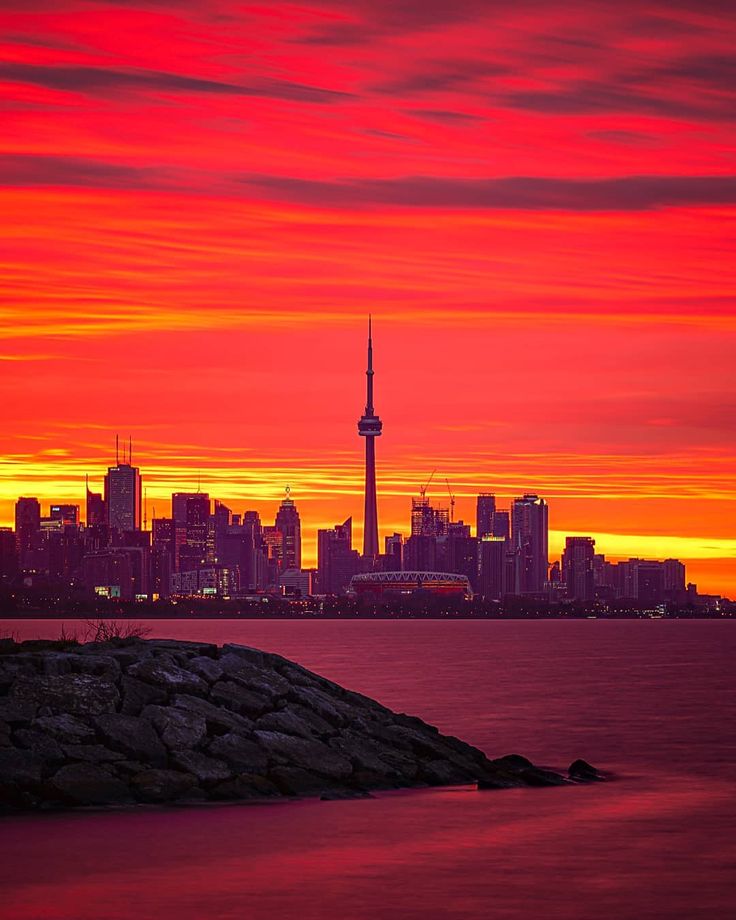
189 618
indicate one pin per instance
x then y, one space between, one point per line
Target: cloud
632 193
108 81
21 170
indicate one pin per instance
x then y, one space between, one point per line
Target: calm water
652 701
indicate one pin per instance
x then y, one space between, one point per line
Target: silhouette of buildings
577 568
529 537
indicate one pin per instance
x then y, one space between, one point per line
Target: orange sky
201 202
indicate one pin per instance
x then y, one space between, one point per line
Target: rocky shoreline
165 721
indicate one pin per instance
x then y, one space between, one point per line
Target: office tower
394 561
123 495
420 553
369 427
198 548
66 514
8 553
529 538
289 526
578 560
179 504
457 553
27 525
337 561
492 565
485 507
96 514
500 524
650 583
427 521
674 579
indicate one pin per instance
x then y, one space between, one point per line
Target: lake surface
651 701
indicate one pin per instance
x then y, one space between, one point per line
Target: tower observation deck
370 427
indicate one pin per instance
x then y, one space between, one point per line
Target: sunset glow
202 201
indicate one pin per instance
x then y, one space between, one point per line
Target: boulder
65 727
311 755
218 720
263 681
253 655
296 781
90 753
244 786
290 722
136 738
161 785
79 694
243 754
207 668
88 784
582 772
239 699
40 744
316 700
19 767
177 728
137 695
17 712
165 673
208 770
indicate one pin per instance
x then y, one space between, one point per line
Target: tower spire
370 427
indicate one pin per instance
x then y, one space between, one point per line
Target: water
652 701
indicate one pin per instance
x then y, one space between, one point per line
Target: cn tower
369 427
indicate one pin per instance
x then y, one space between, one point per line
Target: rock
267 683
136 738
177 728
244 786
137 695
79 694
239 699
252 655
313 756
91 753
218 720
513 769
40 744
207 668
296 781
17 712
367 755
19 767
200 649
206 769
65 728
162 672
582 772
89 784
243 754
318 701
290 722
161 785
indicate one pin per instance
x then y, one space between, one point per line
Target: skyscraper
530 539
289 526
577 568
27 525
369 427
337 561
123 495
485 509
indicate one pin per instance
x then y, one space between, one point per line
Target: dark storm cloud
634 193
101 81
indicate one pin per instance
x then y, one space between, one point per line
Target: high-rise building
123 497
8 553
394 559
337 561
66 514
529 535
179 505
198 548
289 526
370 427
96 514
485 507
27 525
492 567
578 561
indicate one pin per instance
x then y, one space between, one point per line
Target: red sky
201 201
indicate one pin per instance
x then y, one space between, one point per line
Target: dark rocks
245 755
88 784
79 694
161 785
177 728
582 772
163 672
136 738
132 721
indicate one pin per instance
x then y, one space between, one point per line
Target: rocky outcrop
153 721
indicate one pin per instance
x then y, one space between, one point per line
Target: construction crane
423 489
452 501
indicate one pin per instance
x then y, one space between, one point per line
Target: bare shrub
106 630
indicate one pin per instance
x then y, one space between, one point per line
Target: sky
202 200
